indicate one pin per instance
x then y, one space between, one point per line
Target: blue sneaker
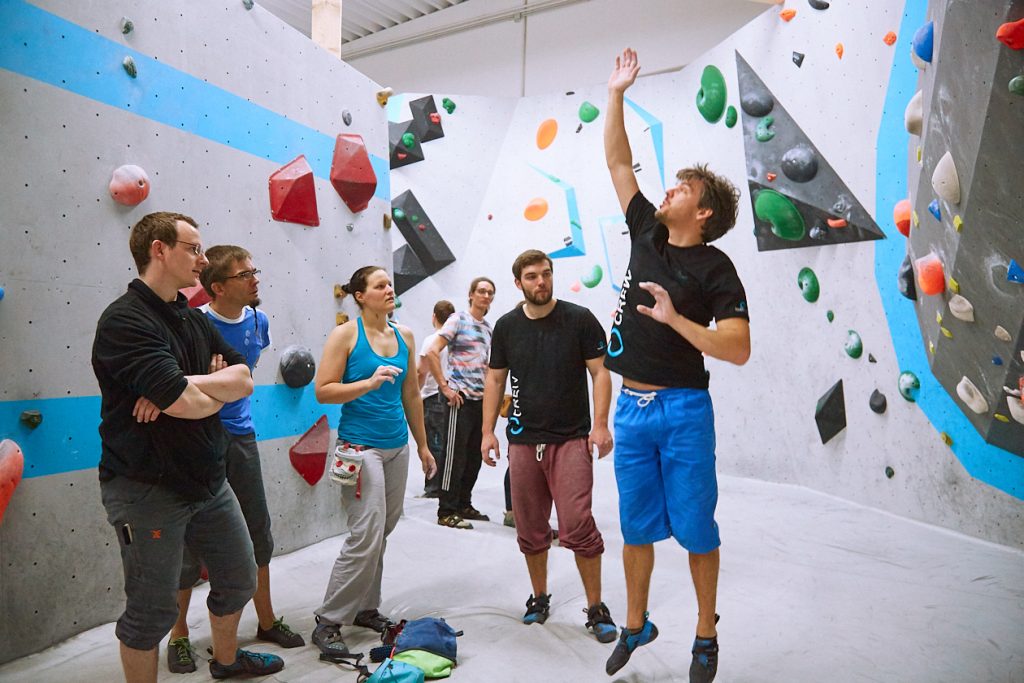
599 622
629 641
537 609
705 660
247 664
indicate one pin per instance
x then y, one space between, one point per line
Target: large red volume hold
352 173
293 193
309 454
12 463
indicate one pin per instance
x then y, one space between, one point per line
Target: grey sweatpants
355 580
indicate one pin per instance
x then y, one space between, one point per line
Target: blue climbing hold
1 293
996 360
1014 273
934 209
923 42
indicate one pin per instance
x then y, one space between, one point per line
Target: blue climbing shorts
665 467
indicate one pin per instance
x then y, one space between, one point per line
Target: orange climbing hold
787 14
890 38
839 50
12 464
901 216
931 278
546 133
536 209
770 176
837 222
1011 34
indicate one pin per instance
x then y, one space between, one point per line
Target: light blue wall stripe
983 461
45 47
68 438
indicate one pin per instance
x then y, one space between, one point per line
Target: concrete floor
812 588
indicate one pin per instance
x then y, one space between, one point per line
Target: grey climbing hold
961 308
126 25
248 4
819 232
800 164
798 59
877 402
905 279
757 102
129 66
818 4
346 116
970 395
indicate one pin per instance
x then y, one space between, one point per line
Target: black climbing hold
890 472
877 401
830 414
818 4
798 59
297 366
579 128
346 117
31 418
800 164
905 279
871 359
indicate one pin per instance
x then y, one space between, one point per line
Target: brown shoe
454 521
470 512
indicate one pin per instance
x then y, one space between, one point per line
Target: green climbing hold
1017 85
588 112
129 66
764 131
830 315
775 208
31 418
730 116
398 302
409 140
592 279
854 347
890 472
808 283
711 96
909 386
414 218
448 105
398 213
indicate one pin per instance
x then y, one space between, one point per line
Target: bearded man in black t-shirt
548 347
676 284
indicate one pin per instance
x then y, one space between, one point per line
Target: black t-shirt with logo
703 285
546 359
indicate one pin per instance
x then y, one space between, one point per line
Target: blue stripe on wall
68 438
45 47
983 461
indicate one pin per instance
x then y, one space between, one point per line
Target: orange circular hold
890 38
931 278
901 216
546 133
839 50
787 14
536 209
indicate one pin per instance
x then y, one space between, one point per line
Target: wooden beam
326 28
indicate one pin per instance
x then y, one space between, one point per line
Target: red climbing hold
352 173
931 279
196 296
901 216
435 118
309 454
12 463
293 193
1011 34
837 222
129 185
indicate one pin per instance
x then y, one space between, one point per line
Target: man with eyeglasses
164 373
232 282
468 338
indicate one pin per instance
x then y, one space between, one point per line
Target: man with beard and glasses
232 281
548 347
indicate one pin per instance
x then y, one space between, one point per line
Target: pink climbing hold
196 296
1011 34
129 185
293 193
12 464
576 287
309 454
352 173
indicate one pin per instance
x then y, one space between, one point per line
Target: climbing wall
210 100
828 400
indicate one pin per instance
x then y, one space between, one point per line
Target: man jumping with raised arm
676 284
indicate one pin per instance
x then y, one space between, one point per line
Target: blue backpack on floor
391 671
430 634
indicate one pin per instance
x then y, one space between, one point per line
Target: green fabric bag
434 666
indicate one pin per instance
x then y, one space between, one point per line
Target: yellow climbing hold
938 317
946 439
946 333
917 221
1001 417
931 348
958 223
919 154
954 286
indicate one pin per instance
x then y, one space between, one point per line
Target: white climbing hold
945 181
918 62
961 308
913 116
970 395
1002 334
1016 408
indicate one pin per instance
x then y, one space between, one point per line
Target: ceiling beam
326 26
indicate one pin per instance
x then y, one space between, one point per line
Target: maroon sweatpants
561 473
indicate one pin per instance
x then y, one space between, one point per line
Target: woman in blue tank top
369 366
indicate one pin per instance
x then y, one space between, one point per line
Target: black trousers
462 460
